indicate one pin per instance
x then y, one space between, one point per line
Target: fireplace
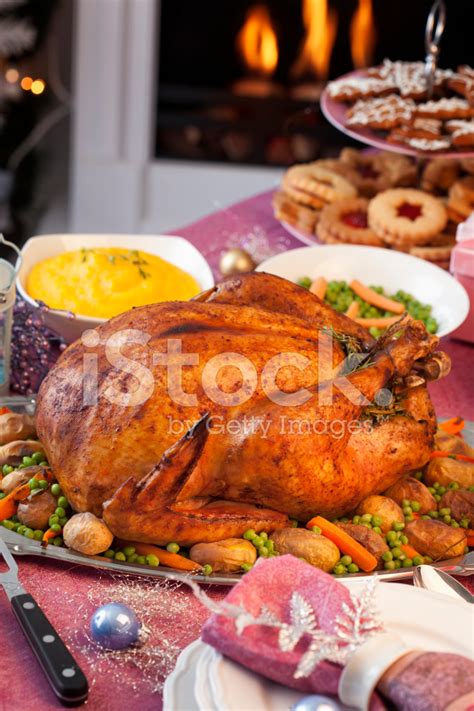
240 82
179 102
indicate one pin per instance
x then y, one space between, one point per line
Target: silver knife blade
9 580
439 581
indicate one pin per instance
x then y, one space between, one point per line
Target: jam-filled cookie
404 216
346 222
300 216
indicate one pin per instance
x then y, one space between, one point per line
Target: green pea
377 529
257 541
128 550
453 486
63 521
366 518
55 489
58 541
345 560
7 469
132 558
8 524
263 551
425 517
427 559
109 554
28 533
454 524
432 490
56 527
398 526
418 560
403 540
464 523
407 563
141 560
263 535
294 523
405 502
2 495
447 518
21 529
53 519
356 519
418 475
152 560
43 484
391 536
172 547
444 511
37 457
415 506
433 514
120 556
398 564
352 568
316 529
407 511
44 464
207 569
441 490
250 534
305 282
246 567
33 484
28 461
63 502
60 512
270 546
377 520
38 535
437 497
389 565
397 552
387 556
339 569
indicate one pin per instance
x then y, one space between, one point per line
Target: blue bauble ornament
316 702
114 626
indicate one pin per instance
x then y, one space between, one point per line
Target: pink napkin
413 684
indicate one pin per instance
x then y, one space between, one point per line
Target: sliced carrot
409 551
47 537
470 541
383 322
9 504
453 426
353 310
348 545
173 560
378 300
4 410
451 455
319 287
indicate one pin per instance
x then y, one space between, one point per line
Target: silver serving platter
19 545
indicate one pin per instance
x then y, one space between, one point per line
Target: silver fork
464 567
65 676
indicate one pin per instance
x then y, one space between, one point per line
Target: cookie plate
335 112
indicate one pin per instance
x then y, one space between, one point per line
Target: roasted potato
413 490
14 426
435 538
388 510
225 556
315 549
446 470
445 442
368 538
13 452
87 534
20 476
35 511
461 503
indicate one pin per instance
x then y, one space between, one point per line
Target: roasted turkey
289 426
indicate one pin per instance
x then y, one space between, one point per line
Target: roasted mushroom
35 511
14 426
13 452
436 539
387 509
87 534
315 549
413 490
225 556
21 476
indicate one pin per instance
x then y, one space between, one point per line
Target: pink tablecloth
68 595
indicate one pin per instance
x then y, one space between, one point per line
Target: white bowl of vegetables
424 290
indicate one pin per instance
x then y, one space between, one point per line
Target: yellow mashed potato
105 281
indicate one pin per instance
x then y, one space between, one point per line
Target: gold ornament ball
236 261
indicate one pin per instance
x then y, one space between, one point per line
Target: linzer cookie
320 183
371 175
302 217
346 222
461 196
406 217
381 113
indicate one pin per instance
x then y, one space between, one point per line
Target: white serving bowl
380 267
176 250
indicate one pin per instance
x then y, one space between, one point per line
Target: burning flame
320 23
257 41
363 35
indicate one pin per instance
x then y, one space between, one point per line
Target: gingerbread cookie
462 133
381 113
406 217
349 90
445 109
300 216
346 222
317 183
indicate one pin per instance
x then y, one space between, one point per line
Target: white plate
176 250
423 619
382 267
